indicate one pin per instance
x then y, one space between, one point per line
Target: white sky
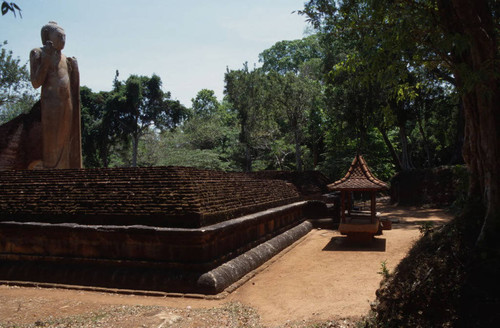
188 43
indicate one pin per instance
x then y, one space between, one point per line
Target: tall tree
297 93
443 36
474 66
112 120
209 126
249 96
203 140
145 104
295 97
16 93
101 129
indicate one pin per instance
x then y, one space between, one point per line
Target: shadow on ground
342 244
411 217
402 212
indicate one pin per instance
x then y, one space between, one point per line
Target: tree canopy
205 104
449 40
129 111
375 78
16 94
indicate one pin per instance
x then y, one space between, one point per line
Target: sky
188 43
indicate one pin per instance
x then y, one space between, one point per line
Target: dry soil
321 278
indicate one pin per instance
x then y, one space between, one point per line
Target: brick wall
156 196
20 140
158 228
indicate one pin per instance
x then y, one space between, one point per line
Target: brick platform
20 138
156 196
156 228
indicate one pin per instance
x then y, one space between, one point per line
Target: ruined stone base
143 275
203 260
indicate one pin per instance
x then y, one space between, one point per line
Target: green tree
355 123
144 104
91 123
297 93
179 147
101 131
16 94
289 56
205 104
111 121
211 126
445 37
295 96
249 96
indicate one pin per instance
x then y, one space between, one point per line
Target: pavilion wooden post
342 206
373 205
349 202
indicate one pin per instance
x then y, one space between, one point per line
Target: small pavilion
357 222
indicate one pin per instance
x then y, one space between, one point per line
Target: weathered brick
174 196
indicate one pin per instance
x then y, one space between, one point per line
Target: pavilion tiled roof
358 177
157 196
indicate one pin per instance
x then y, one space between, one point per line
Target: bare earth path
319 278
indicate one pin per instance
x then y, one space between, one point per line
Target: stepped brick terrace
171 229
156 196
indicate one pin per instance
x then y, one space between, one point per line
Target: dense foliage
16 94
312 104
113 121
301 110
414 54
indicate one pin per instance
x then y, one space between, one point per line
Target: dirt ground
320 279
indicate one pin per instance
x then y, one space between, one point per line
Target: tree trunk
298 152
481 153
104 156
398 109
430 162
244 139
389 145
473 20
135 147
405 154
457 157
248 158
315 153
